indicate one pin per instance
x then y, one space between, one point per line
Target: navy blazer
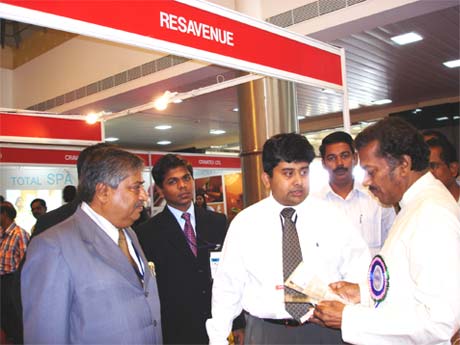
78 287
184 281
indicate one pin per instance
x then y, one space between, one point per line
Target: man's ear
266 180
102 192
453 168
405 165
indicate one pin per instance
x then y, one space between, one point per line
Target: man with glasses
372 219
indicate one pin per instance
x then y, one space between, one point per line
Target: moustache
340 169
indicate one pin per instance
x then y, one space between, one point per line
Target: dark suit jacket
184 281
78 287
56 216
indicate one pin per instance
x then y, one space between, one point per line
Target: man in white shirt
250 273
411 293
372 219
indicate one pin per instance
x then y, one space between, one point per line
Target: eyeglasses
344 156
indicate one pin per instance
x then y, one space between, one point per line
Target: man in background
86 280
265 243
69 193
13 244
444 164
38 207
411 293
370 218
178 241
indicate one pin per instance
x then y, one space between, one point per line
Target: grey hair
109 166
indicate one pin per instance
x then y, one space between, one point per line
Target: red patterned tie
189 233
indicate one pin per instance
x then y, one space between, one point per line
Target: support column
266 107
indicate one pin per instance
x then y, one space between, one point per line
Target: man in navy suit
182 263
86 280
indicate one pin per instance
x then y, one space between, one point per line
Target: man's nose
143 194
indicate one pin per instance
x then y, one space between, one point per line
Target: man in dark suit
180 251
86 280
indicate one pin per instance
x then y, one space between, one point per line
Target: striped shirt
13 245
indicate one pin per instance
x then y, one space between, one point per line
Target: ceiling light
161 103
163 127
301 117
415 111
456 117
442 118
235 109
163 142
382 101
216 131
406 38
111 139
92 118
452 63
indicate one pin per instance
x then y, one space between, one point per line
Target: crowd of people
376 262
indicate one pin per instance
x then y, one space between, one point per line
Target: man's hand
348 291
238 336
329 314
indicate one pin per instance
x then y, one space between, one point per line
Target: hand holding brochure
311 286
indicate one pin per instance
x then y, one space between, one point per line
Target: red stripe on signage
249 43
38 156
48 128
208 161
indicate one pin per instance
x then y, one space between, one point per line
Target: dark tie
189 233
124 248
292 257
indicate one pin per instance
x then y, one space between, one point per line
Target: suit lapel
104 246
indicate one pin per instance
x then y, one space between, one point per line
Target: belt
284 322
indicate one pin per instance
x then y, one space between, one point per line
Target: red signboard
36 128
233 36
205 161
61 156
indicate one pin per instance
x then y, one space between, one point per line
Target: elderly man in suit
86 280
178 241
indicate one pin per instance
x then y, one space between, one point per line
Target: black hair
395 138
336 137
8 208
288 147
203 195
69 193
166 163
448 151
41 201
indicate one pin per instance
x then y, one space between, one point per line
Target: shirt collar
421 184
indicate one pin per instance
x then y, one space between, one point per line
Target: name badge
214 259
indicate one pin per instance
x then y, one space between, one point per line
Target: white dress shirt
112 232
178 215
422 254
371 218
250 272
